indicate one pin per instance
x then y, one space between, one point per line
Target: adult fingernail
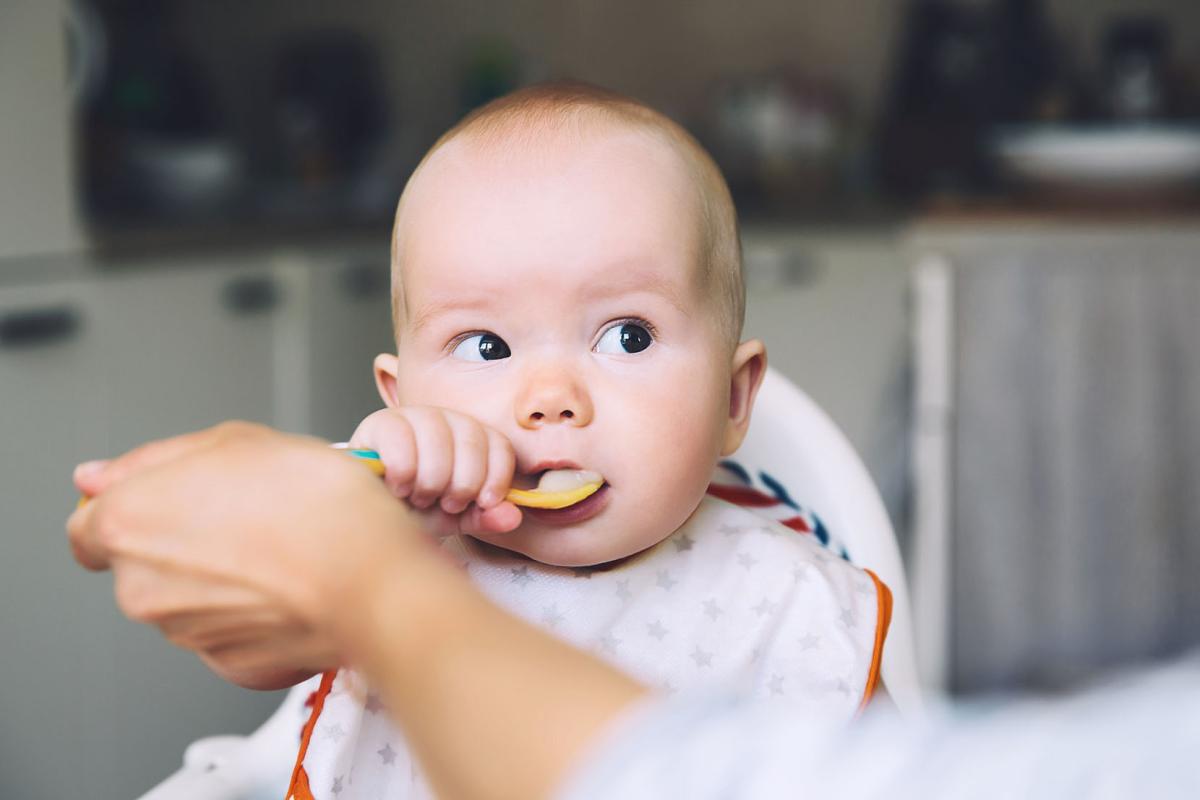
89 469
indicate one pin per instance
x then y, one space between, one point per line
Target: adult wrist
398 608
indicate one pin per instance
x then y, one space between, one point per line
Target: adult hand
274 557
241 543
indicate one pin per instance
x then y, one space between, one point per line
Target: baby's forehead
442 272
509 211
498 160
595 188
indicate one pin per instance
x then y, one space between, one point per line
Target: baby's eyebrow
636 283
630 283
437 307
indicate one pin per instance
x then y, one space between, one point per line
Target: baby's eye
482 347
624 337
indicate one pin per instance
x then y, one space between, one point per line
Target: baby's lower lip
583 510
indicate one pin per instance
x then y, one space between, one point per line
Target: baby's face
555 295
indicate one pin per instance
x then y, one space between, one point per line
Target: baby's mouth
554 488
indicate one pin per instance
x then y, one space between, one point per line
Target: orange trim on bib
883 618
298 788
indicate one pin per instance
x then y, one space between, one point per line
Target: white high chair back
799 448
792 446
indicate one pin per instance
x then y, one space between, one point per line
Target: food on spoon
558 488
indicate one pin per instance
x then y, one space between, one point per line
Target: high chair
793 451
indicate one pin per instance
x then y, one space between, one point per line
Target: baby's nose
552 398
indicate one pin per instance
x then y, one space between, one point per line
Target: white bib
731 598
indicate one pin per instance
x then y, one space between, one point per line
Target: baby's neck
488 550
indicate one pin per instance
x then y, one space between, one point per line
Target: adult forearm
1135 737
493 707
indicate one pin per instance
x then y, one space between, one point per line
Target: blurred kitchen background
970 234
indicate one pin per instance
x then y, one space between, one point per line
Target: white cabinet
94 705
94 360
349 323
831 307
37 199
60 657
189 346
1057 450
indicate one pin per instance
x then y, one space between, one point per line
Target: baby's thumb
502 518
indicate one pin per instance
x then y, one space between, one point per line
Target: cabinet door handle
39 326
256 294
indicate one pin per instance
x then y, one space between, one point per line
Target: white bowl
1126 157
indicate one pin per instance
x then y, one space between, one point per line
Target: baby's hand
444 463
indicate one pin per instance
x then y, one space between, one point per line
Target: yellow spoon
586 485
575 485
557 489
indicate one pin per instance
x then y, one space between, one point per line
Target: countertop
841 224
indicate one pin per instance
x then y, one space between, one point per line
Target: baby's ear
749 366
386 366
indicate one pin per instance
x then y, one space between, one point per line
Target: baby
567 295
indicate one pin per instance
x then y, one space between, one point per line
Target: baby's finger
435 457
397 447
470 463
502 460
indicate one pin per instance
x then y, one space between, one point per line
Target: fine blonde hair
558 105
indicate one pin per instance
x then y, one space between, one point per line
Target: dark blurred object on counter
492 69
1138 78
1130 141
961 70
779 139
328 107
1135 69
153 143
169 143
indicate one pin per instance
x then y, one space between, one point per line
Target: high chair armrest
242 767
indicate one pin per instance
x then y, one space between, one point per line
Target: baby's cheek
660 512
429 390
677 460
410 392
680 436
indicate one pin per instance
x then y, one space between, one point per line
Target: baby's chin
570 547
